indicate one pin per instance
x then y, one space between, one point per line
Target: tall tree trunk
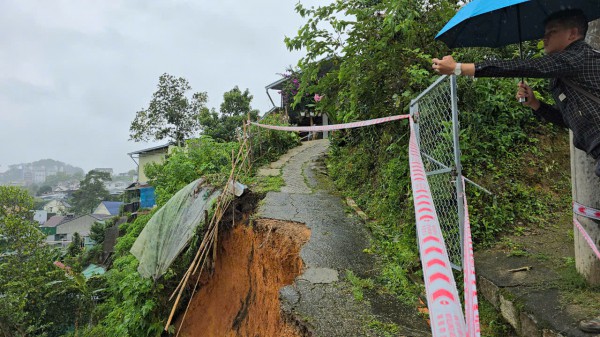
585 191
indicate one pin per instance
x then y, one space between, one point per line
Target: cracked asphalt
321 299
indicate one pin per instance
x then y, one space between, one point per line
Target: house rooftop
112 206
151 149
54 221
277 85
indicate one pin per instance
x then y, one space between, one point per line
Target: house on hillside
140 194
108 208
59 207
82 225
49 228
155 154
304 113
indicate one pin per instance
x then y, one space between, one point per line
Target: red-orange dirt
242 296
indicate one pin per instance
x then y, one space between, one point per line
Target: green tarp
171 228
92 270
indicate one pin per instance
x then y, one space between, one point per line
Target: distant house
115 187
59 207
82 225
110 208
139 196
155 154
49 228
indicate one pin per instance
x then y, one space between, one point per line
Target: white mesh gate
435 113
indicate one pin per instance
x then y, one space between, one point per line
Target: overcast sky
73 73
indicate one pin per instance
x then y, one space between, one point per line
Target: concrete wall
148 158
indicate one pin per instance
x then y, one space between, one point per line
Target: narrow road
321 300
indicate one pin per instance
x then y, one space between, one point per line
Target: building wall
101 209
148 158
40 216
81 225
55 206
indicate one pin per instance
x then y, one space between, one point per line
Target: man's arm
565 63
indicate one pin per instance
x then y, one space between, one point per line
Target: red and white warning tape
333 126
585 211
587 237
592 213
445 310
471 302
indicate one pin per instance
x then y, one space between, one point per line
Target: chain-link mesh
433 115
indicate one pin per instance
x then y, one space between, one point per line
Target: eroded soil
241 298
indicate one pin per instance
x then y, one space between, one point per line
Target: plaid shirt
579 63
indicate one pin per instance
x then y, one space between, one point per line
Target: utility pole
586 191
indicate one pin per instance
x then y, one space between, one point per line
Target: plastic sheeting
171 228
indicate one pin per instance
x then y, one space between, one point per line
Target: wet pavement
321 299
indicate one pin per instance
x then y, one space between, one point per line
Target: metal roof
151 149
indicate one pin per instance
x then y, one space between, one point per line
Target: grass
358 285
492 323
266 184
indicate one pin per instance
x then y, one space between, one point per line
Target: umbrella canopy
496 23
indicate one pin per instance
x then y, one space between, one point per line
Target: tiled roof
54 221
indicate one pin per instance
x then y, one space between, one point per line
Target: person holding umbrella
574 69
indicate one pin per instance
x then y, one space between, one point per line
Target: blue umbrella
496 23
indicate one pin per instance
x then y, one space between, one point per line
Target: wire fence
436 115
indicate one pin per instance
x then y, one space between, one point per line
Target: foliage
98 230
14 201
358 284
170 114
234 111
76 246
201 157
268 145
32 287
91 192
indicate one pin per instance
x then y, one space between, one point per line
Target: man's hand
445 66
525 91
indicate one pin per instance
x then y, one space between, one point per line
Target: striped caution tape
588 212
333 126
470 280
445 310
587 237
585 211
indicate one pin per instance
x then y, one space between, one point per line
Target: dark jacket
579 63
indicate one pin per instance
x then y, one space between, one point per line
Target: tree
170 113
91 192
75 247
14 201
44 189
31 286
98 232
233 112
